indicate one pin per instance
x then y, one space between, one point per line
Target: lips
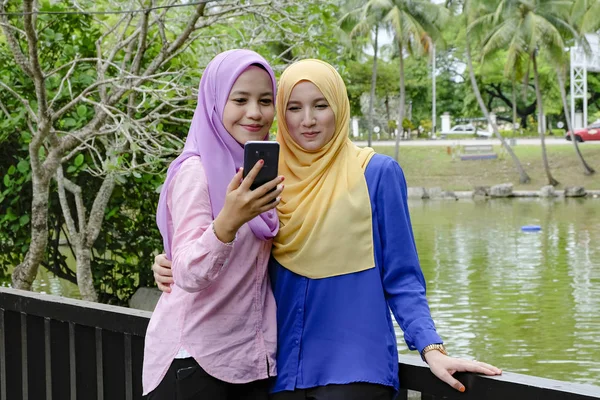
253 127
310 134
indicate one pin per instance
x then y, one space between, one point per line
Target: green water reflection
526 302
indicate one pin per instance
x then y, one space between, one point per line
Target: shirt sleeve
198 255
403 279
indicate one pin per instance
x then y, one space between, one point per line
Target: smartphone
261 150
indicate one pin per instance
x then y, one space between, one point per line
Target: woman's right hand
162 273
242 204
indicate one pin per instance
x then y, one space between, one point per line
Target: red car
591 132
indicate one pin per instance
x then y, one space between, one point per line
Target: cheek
330 123
269 114
291 124
228 116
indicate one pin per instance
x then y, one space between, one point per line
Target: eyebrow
242 93
314 101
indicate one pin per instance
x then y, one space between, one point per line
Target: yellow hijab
325 212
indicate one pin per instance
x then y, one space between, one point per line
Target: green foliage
407 124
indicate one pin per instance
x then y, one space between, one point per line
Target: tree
584 16
525 28
471 12
583 19
133 82
361 22
415 24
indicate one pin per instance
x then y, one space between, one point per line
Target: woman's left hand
444 367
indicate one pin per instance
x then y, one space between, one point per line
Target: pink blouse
221 309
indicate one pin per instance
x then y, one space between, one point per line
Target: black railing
54 348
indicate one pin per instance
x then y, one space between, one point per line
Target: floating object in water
531 228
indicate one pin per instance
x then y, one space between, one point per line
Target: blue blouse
339 330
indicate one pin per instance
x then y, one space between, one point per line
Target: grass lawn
432 166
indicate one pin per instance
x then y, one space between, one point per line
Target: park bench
478 152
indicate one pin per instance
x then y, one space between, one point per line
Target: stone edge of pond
500 191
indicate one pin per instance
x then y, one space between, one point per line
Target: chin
311 146
243 137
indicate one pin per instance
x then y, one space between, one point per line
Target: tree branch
64 205
24 101
97 211
13 43
36 70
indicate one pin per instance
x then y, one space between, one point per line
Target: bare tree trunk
87 232
523 177
85 281
373 85
514 105
587 170
542 125
387 115
24 274
402 99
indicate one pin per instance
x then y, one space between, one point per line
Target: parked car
591 132
467 129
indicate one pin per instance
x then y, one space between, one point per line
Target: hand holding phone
257 193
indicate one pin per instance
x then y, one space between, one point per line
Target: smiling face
249 111
309 117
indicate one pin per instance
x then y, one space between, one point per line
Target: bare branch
69 65
6 25
64 204
97 211
24 101
5 111
36 70
55 116
141 49
66 78
13 43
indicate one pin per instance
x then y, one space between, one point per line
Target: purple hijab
220 153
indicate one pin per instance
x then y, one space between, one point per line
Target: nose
308 118
253 111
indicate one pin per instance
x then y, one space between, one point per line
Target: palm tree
361 22
587 170
524 27
415 24
472 11
584 19
584 15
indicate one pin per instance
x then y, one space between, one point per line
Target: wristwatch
436 346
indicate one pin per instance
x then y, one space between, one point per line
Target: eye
239 100
322 106
266 102
293 108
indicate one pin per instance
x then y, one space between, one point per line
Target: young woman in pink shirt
214 335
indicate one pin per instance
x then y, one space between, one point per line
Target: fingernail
462 389
278 198
282 178
261 161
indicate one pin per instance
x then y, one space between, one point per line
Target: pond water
528 302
